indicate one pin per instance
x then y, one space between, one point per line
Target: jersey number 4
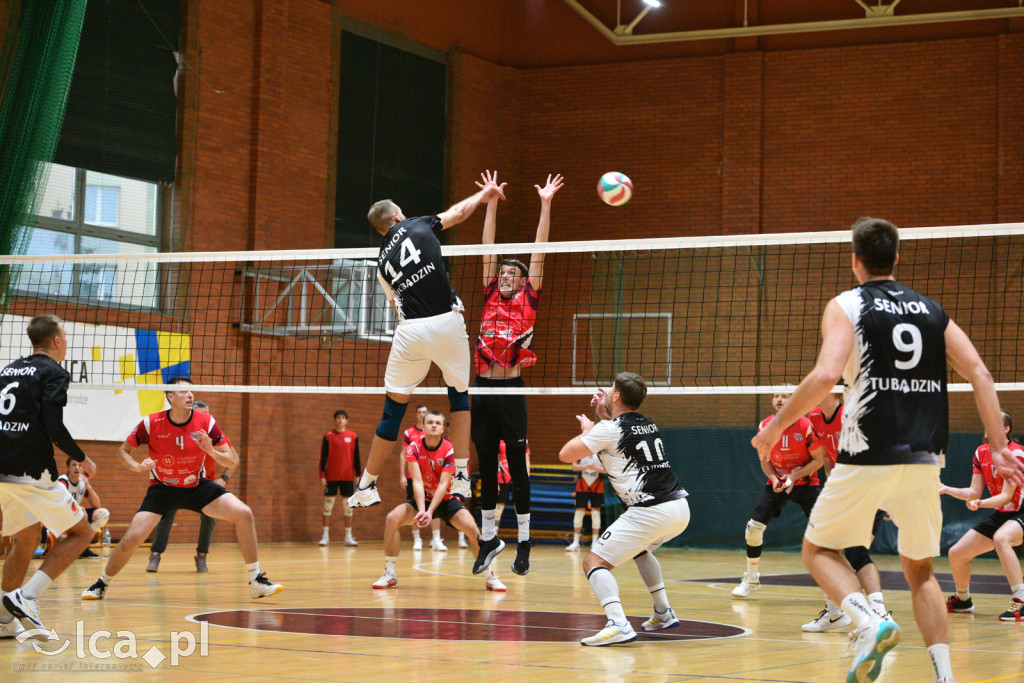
659 450
408 254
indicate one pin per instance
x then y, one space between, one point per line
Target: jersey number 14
408 254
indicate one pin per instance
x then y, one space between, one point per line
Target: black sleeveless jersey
26 452
633 456
896 409
411 270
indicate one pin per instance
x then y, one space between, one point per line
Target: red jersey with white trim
432 464
791 452
339 456
826 432
993 480
506 329
504 476
175 447
412 434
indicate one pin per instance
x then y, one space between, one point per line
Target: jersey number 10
659 451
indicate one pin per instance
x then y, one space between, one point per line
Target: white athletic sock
964 593
831 606
415 533
327 530
253 569
1018 591
389 564
462 467
348 532
857 608
753 565
106 579
940 660
877 601
499 510
462 537
36 585
576 537
607 591
650 572
524 527
366 480
487 531
437 534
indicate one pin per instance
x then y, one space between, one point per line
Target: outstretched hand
586 424
553 185
490 187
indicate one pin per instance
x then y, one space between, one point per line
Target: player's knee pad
858 557
458 401
328 505
346 509
391 421
595 518
755 533
100 518
577 518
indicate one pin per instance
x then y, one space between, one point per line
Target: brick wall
925 133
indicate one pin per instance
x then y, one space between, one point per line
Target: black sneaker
955 604
488 551
87 553
521 565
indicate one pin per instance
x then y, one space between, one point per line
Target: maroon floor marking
449 624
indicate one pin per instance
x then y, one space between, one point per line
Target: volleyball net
729 315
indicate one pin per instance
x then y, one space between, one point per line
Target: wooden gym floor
440 624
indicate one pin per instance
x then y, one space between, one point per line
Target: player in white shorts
891 344
33 393
631 451
431 329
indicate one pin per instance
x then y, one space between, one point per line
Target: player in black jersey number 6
632 454
431 329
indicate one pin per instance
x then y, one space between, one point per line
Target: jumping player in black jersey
632 453
891 344
33 393
431 329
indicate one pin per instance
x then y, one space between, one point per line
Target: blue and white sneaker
660 621
611 634
873 642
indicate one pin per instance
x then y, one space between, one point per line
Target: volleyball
614 188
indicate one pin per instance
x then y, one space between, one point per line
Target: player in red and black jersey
430 463
178 441
415 433
512 295
792 476
1001 531
339 467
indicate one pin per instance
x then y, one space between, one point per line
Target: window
84 212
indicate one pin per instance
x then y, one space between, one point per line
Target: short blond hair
380 215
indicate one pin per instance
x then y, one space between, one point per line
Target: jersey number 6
7 401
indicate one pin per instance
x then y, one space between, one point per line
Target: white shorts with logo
845 510
639 529
439 339
25 504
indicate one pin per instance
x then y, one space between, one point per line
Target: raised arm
546 193
462 210
490 226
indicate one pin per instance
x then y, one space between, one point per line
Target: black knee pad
858 557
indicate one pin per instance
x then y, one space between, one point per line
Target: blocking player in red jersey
1003 529
589 491
792 476
178 441
430 463
415 433
827 422
339 466
511 297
